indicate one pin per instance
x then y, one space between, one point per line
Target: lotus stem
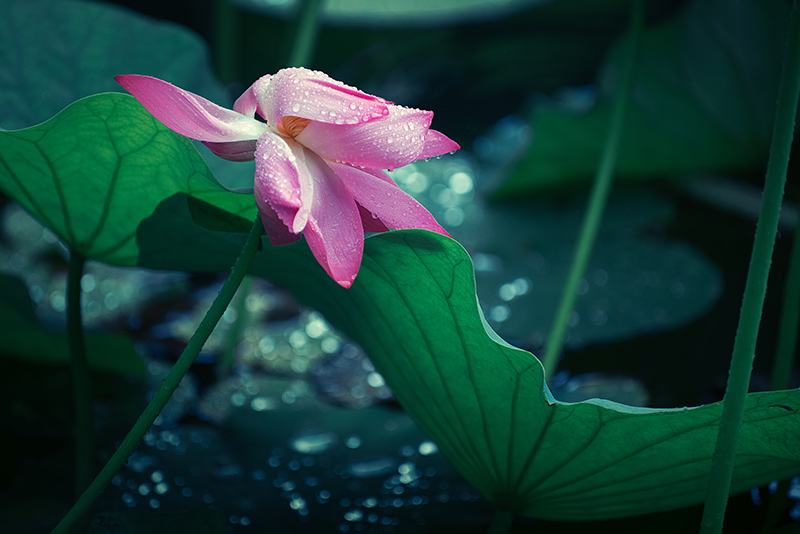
598 196
501 524
81 377
755 289
306 37
170 383
239 304
790 317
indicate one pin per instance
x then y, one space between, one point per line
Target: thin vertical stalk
782 367
226 45
81 378
598 196
790 318
170 383
239 304
501 523
755 290
306 37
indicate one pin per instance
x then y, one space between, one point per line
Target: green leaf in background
23 338
94 171
704 100
637 282
413 309
54 52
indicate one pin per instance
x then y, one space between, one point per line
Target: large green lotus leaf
179 236
93 172
24 339
704 100
413 309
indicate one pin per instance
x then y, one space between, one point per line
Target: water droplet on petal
296 108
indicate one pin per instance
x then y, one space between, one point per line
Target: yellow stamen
292 126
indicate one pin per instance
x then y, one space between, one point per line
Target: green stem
598 196
81 378
306 36
755 290
501 523
782 368
169 385
235 331
790 318
226 30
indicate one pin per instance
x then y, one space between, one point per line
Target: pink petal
387 143
383 198
299 92
282 180
334 231
247 104
276 231
233 151
436 144
189 114
369 221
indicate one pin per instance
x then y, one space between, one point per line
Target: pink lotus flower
318 156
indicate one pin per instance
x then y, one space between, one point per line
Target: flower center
292 126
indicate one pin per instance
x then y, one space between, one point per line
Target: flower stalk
755 289
239 305
169 385
502 521
81 378
598 196
305 38
790 317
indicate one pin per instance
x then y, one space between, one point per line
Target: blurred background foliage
469 73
